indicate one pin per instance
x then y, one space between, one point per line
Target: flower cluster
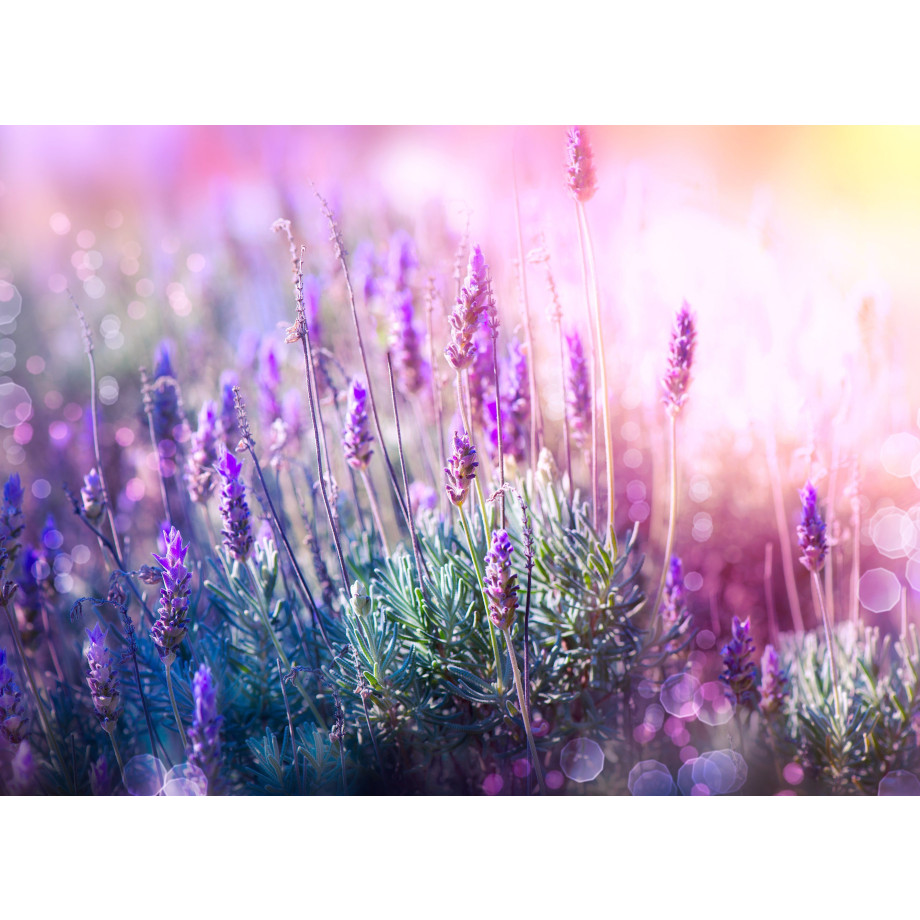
13 719
204 734
466 317
102 678
169 422
461 469
673 607
740 672
11 517
579 165
676 380
172 623
356 438
92 495
234 511
408 363
774 682
811 531
229 423
204 455
500 581
578 389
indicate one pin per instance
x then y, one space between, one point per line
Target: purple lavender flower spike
312 292
12 520
269 379
500 581
172 624
366 268
411 368
402 259
168 414
204 455
422 497
13 719
468 311
774 682
579 165
204 735
673 607
811 531
102 678
578 389
518 401
461 469
92 495
676 380
229 423
356 438
234 511
740 674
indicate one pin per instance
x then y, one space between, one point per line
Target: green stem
525 709
485 598
121 763
175 708
830 647
672 521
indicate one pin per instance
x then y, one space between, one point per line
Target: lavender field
534 462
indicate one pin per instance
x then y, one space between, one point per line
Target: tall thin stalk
816 581
672 515
175 708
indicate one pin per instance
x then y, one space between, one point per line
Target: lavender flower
402 259
312 292
357 438
204 735
481 379
172 624
578 389
740 673
774 682
205 451
517 400
92 495
102 678
422 497
461 469
269 380
229 424
13 719
234 511
676 380
101 778
579 165
12 520
500 581
169 422
811 531
474 299
673 608
410 366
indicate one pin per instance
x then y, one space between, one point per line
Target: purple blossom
312 293
102 678
269 380
579 165
169 422
172 623
356 438
474 299
740 674
673 608
402 259
676 380
500 581
229 423
578 389
204 455
13 719
481 377
92 495
811 531
461 469
12 520
204 734
422 497
234 511
366 269
410 367
774 682
101 777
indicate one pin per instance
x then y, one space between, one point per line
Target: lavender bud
150 574
676 380
204 734
12 520
774 682
361 603
204 455
500 581
408 363
172 624
102 678
356 438
467 314
13 719
461 469
169 422
673 609
92 495
579 165
811 531
740 672
234 511
578 389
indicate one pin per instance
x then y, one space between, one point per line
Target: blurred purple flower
172 623
579 165
402 259
13 719
92 495
774 682
12 520
578 389
204 455
740 673
229 422
269 380
204 734
410 367
676 380
102 678
673 608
